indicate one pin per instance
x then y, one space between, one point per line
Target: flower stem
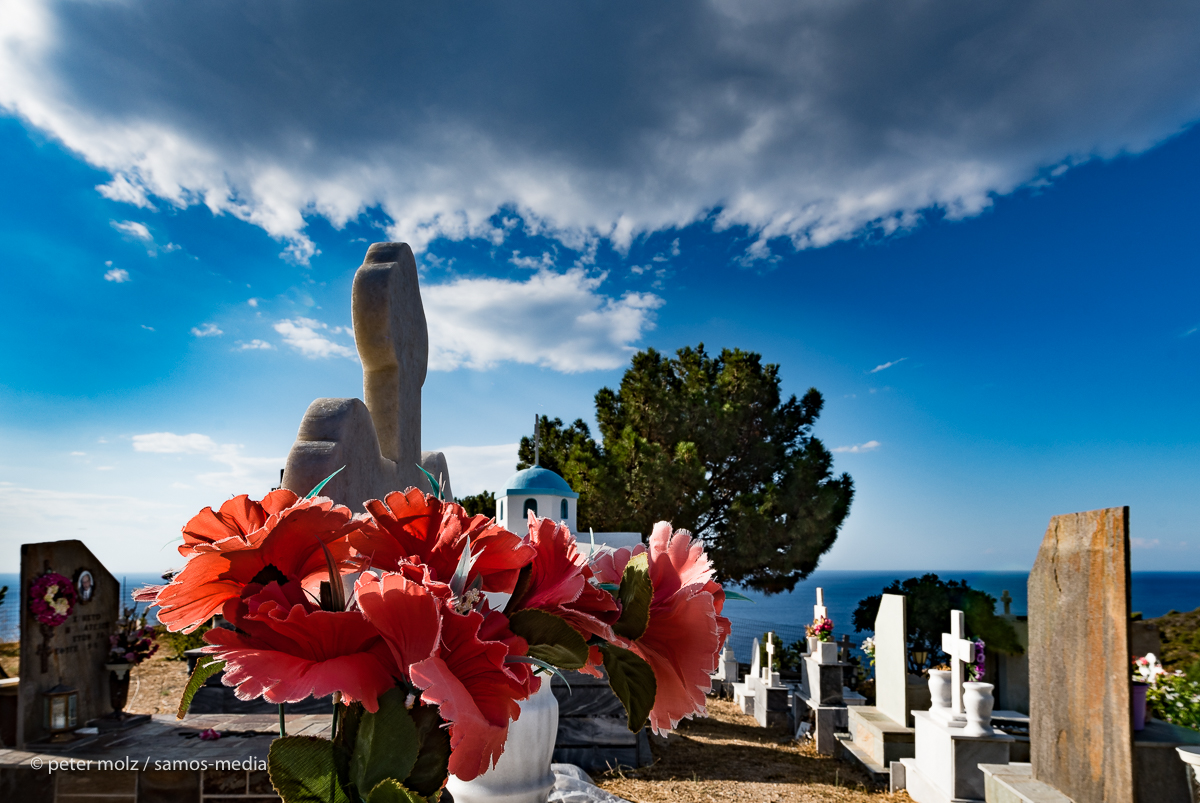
337 699
282 727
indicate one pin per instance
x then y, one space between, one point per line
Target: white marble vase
522 775
939 690
978 702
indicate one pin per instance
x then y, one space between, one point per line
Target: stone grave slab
72 654
1079 665
378 440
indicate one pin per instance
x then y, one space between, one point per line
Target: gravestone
1079 665
946 764
72 654
377 441
891 658
880 734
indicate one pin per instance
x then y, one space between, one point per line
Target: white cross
766 676
819 609
961 651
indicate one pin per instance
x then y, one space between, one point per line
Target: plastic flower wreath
387 614
977 669
821 629
51 599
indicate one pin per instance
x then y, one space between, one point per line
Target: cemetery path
728 757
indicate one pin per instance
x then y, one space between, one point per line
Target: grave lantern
919 656
60 709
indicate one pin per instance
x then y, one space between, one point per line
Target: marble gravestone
72 654
377 440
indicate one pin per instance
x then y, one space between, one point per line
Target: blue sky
972 232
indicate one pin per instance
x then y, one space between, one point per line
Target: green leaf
735 595
387 743
550 638
540 664
433 483
392 791
429 773
206 667
301 770
634 596
611 588
632 680
321 484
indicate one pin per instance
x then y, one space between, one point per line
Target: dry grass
156 685
728 757
10 657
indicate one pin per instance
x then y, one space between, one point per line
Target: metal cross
961 651
844 648
1007 600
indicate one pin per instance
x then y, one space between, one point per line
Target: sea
1154 594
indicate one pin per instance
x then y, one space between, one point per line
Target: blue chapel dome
537 480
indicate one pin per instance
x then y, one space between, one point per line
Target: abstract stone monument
379 441
72 654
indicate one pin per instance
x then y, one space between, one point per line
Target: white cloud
480 468
306 336
556 320
239 466
147 328
117 275
252 302
134 229
252 345
78 454
857 448
1144 543
886 365
207 330
807 120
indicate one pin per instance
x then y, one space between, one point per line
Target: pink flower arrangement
52 599
387 612
134 640
821 629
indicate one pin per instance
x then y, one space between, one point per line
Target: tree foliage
708 444
483 502
929 602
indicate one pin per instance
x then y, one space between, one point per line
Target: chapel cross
819 611
377 440
1007 600
961 651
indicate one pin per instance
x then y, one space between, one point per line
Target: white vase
120 669
939 690
978 702
827 652
522 775
1191 765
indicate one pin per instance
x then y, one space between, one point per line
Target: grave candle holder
60 710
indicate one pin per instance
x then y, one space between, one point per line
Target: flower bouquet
977 669
133 641
400 614
821 629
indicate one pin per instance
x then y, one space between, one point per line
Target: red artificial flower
238 517
560 582
413 527
285 650
406 615
474 691
686 631
286 548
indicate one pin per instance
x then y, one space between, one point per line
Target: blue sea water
1154 593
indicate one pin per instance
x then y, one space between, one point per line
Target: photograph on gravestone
1081 727
69 655
375 441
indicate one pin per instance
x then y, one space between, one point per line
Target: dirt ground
728 757
725 756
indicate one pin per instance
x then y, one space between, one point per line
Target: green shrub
179 643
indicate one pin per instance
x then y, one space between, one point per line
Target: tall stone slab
891 658
377 441
72 654
1079 690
